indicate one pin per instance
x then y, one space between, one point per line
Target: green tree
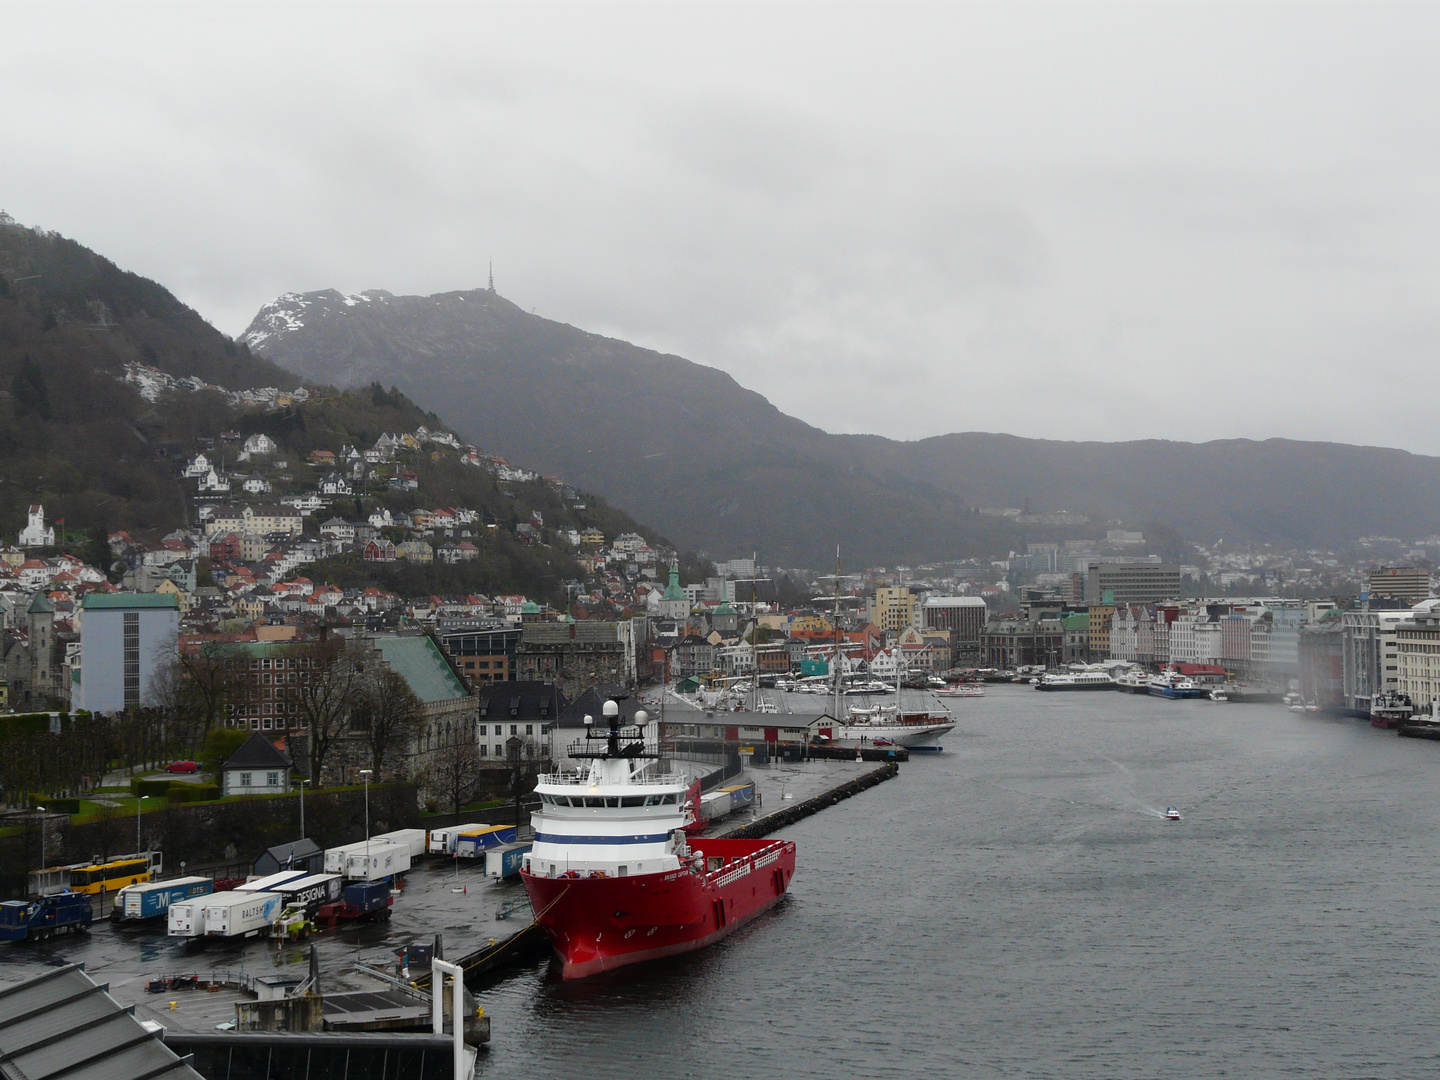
220 746
29 390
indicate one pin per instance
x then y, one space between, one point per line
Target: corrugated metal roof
420 663
63 1023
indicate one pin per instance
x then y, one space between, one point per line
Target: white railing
578 776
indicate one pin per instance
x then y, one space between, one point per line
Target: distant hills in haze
718 467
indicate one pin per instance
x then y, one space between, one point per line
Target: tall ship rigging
612 876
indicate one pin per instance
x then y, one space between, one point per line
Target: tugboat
613 878
1171 814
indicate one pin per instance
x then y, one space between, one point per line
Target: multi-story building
258 520
1076 646
483 655
126 639
1369 656
1131 582
894 609
964 617
1406 584
1098 630
572 655
1015 642
1417 654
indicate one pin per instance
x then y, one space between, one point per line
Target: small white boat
1171 814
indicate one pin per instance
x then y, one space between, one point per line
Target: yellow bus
130 870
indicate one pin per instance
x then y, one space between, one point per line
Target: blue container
474 844
368 896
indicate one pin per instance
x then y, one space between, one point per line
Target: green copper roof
673 590
41 605
114 601
419 662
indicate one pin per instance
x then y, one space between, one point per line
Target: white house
214 481
256 484
199 465
260 444
334 484
36 533
257 768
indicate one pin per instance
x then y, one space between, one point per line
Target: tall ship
613 878
914 730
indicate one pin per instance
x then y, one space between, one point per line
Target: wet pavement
450 897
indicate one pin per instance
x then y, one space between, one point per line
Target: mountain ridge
717 465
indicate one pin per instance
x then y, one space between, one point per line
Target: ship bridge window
594 800
632 800
612 800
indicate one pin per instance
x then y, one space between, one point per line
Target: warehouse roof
63 1023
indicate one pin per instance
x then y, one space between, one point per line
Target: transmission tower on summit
492 275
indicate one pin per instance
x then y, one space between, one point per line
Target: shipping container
442 841
741 795
310 891
472 843
504 861
336 857
241 914
269 881
360 900
715 805
152 900
414 839
186 918
383 860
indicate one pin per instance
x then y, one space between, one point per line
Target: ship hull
600 923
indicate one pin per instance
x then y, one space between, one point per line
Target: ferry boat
613 878
1390 710
1075 680
1171 684
915 731
1133 682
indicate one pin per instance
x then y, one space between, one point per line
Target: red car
182 766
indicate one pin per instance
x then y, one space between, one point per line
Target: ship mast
837 631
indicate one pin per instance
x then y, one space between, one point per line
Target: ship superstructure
612 876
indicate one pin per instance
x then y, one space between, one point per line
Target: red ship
612 877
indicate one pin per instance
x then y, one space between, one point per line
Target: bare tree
327 686
387 713
453 772
197 687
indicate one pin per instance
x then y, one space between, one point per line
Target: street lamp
138 801
366 773
42 837
302 808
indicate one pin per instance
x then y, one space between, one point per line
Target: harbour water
1018 907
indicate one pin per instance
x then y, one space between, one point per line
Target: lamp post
302 808
366 773
138 801
42 836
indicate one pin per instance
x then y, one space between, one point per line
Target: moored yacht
1075 680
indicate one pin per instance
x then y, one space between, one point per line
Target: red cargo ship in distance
612 876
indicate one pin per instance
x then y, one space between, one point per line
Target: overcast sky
1078 221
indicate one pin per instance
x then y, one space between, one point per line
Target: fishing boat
612 876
